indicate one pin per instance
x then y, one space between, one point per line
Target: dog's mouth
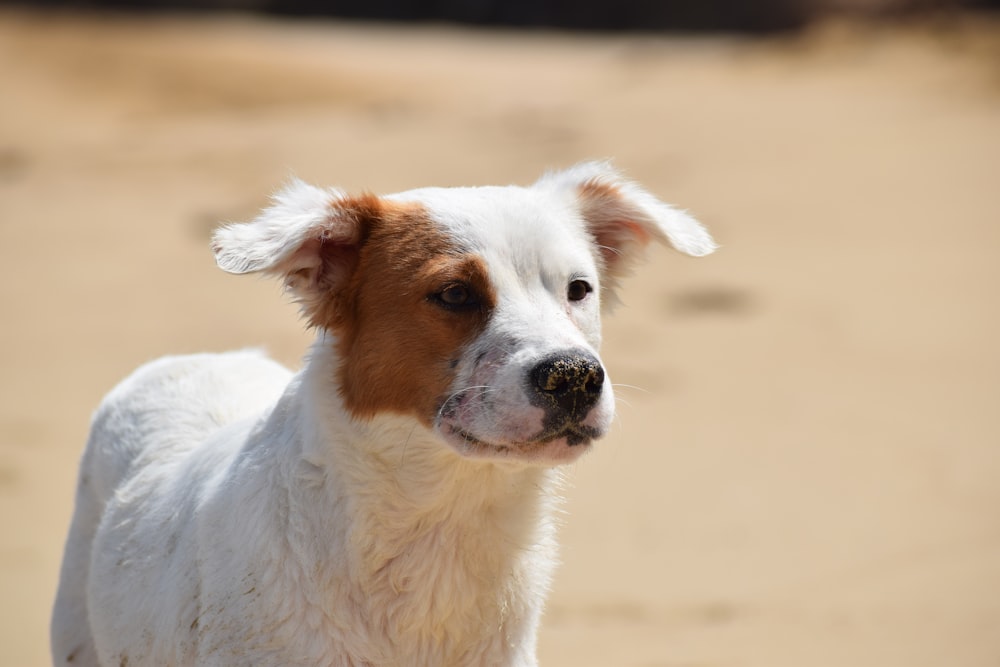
551 447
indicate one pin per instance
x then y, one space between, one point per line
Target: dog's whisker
617 385
455 394
623 401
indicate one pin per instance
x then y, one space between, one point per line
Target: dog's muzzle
566 385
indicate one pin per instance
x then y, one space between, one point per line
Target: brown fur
398 344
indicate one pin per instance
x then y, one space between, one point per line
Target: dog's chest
450 593
437 588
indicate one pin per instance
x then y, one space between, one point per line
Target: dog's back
145 427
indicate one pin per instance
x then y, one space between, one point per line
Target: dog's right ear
308 236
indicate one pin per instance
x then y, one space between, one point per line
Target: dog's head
474 310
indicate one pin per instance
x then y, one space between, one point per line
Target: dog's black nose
569 383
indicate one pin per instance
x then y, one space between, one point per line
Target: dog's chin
548 449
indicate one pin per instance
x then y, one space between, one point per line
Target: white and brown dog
391 504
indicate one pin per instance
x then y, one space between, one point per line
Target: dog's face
475 310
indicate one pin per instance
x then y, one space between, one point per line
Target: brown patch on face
397 342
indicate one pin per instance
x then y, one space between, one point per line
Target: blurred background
806 466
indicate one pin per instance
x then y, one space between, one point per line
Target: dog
393 502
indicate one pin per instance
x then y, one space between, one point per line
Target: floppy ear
308 236
623 217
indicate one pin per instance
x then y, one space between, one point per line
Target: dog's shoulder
171 404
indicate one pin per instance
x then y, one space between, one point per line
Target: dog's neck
434 548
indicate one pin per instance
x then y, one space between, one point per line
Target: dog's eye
578 290
456 296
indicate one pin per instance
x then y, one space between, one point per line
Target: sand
806 466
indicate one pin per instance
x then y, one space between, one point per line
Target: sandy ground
807 471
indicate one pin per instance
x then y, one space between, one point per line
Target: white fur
230 513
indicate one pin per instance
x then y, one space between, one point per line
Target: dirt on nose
567 385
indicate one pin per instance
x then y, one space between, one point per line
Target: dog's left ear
623 218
